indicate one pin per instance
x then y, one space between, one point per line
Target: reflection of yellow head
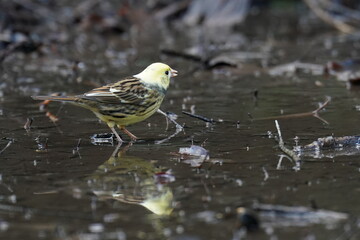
160 205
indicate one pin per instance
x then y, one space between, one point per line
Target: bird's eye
167 72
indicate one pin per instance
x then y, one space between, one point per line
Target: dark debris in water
280 216
331 142
247 219
330 147
42 144
9 142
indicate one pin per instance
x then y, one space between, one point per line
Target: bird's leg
111 126
132 136
116 134
115 152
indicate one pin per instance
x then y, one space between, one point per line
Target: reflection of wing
118 166
160 204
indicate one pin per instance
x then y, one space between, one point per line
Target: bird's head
157 74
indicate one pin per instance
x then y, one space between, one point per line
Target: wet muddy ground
51 187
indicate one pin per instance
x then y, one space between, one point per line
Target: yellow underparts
127 120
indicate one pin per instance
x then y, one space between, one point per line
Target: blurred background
242 64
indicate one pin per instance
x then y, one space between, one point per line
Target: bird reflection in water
133 180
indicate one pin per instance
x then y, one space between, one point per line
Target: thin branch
289 152
326 17
322 105
178 126
314 113
7 145
266 174
205 119
169 137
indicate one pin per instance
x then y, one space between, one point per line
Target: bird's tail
56 98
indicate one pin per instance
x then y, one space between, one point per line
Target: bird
128 101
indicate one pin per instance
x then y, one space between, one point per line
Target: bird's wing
127 91
126 97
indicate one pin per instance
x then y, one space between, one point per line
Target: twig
172 9
7 145
178 126
169 137
289 152
278 166
326 17
266 174
205 119
28 123
314 113
77 148
322 105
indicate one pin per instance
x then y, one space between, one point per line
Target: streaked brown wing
129 90
126 97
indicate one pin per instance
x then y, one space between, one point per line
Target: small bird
128 101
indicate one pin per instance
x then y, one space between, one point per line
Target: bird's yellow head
157 74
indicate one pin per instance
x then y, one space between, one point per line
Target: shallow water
94 193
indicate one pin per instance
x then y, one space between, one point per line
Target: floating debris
195 150
280 216
10 141
96 227
294 67
331 142
41 146
102 138
347 71
52 117
247 219
330 147
75 151
28 123
194 155
208 216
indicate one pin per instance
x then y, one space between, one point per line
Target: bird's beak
173 73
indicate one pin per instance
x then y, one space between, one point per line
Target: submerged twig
7 145
76 149
178 130
314 113
278 166
266 174
178 126
205 119
289 152
41 147
28 124
326 17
